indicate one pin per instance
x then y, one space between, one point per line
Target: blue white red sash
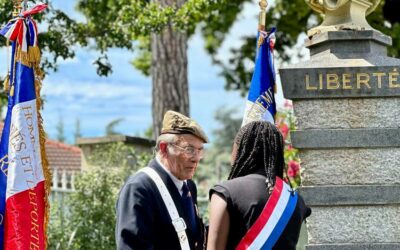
278 210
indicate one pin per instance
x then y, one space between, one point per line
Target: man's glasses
190 150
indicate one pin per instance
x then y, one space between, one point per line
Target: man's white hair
169 138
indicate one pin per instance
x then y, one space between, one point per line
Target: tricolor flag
24 175
261 100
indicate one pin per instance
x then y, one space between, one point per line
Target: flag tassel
34 55
7 84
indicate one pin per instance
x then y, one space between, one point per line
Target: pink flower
293 168
284 128
291 173
288 104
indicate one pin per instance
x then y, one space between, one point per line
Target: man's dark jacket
143 221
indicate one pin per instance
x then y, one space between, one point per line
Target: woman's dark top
246 197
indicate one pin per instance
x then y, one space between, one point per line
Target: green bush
86 218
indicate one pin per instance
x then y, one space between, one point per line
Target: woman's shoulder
238 185
241 181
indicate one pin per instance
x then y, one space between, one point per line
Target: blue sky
76 92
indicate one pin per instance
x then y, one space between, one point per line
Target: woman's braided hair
260 148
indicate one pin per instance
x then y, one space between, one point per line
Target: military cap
176 123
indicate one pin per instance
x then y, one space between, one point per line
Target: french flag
24 175
260 104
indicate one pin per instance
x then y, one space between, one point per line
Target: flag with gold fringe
260 103
24 176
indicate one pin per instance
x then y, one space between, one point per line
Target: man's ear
163 147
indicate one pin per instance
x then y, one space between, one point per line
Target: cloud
74 60
95 104
88 90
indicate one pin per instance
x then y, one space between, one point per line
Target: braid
259 150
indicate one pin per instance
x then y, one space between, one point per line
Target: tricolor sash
278 210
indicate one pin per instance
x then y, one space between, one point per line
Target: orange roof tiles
63 157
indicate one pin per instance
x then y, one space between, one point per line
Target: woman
255 209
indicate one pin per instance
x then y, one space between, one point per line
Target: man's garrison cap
176 123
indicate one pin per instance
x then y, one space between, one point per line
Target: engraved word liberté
348 81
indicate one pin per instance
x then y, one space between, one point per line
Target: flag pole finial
263 14
17 7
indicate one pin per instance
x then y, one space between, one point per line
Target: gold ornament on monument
342 14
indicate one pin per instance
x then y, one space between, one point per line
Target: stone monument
346 98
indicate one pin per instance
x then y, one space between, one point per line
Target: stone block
351 195
350 166
347 113
354 224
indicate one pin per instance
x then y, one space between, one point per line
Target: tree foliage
126 24
60 130
111 127
77 133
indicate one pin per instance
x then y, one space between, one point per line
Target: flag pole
263 14
17 10
261 21
25 5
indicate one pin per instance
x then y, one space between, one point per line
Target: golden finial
17 7
263 14
261 21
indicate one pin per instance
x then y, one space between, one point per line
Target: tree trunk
169 72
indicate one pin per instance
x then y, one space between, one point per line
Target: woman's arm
219 224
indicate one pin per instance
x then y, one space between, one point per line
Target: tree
169 70
60 130
162 28
77 133
110 127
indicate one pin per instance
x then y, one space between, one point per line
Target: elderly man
156 208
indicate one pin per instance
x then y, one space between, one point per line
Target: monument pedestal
347 102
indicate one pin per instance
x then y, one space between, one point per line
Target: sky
75 91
